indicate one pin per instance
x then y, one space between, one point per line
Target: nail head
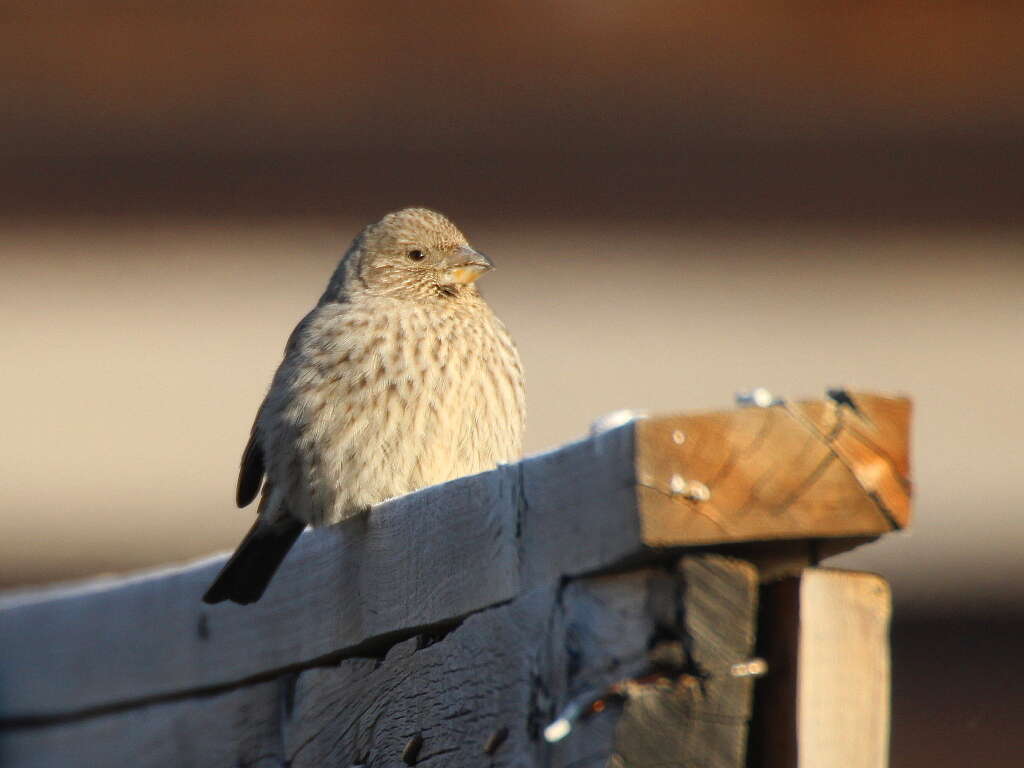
698 491
750 668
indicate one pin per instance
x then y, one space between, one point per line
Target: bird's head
416 253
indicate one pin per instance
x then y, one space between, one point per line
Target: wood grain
579 508
418 561
508 669
701 717
871 437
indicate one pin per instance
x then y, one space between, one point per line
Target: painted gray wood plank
600 637
423 559
507 669
239 728
580 508
451 695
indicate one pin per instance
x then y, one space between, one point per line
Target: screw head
698 491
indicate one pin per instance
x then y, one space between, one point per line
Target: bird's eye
416 255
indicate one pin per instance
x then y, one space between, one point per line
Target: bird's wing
250 475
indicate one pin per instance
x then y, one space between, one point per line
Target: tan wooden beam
833 468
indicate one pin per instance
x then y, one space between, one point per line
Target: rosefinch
400 378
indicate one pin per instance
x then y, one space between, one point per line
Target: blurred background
683 200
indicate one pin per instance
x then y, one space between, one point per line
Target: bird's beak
469 265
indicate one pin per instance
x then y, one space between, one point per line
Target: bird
399 378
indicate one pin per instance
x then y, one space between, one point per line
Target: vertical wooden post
702 716
825 701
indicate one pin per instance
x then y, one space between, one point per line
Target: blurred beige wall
136 356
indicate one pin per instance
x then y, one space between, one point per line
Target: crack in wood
837 428
884 511
696 507
843 426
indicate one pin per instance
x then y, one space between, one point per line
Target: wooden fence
645 597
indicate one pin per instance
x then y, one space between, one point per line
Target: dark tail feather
246 575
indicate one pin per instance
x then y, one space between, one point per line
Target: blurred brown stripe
935 183
797 109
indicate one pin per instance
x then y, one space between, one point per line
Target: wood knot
412 750
495 740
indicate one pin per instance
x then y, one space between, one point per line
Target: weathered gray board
506 670
422 560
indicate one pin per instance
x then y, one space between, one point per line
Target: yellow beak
472 265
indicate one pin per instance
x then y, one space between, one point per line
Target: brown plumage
401 377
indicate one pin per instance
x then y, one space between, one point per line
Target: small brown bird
400 378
